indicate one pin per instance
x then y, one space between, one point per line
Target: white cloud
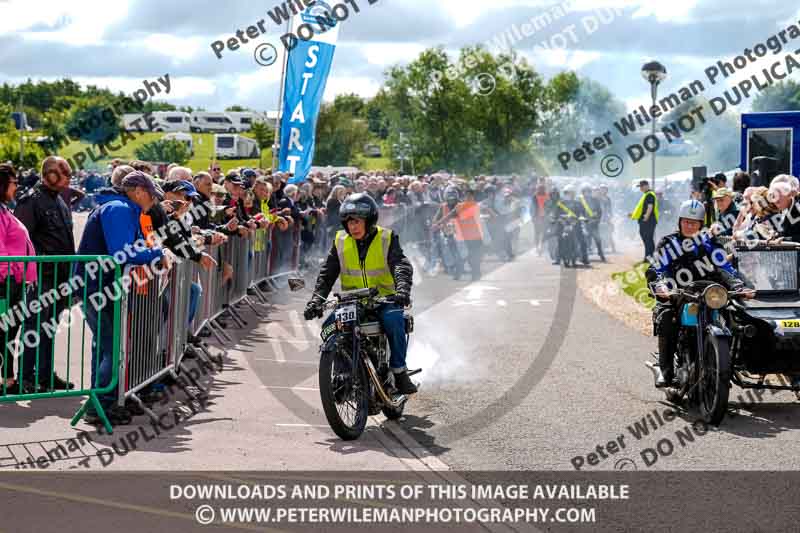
362 86
177 48
74 23
672 11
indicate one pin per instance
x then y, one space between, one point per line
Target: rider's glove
313 310
402 299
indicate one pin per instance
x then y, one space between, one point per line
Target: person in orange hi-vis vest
466 221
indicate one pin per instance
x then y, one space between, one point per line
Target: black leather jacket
49 222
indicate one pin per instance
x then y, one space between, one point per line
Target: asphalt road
522 372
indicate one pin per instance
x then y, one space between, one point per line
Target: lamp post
403 149
654 73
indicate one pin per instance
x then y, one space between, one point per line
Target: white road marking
284 361
289 388
303 425
475 292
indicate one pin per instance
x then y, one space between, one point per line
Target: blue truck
771 144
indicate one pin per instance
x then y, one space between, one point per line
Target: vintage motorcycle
739 337
355 380
565 247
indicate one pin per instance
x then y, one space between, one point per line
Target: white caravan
182 137
231 146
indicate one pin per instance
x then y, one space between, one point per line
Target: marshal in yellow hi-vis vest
637 213
374 271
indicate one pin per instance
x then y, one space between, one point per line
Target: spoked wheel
344 394
715 381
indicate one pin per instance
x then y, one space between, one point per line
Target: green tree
9 151
236 109
376 114
263 134
349 103
340 137
93 121
783 96
166 151
476 114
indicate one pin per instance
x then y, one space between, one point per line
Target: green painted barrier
41 305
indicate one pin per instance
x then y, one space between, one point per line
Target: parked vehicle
231 146
243 120
203 122
182 137
161 121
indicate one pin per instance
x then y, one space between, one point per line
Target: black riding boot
666 357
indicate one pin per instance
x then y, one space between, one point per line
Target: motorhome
185 138
161 121
231 146
168 121
243 120
203 121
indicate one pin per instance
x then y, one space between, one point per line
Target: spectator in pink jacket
14 241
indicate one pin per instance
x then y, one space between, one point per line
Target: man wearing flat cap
727 211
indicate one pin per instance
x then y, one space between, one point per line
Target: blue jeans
391 318
101 369
194 301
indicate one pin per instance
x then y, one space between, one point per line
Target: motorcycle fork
373 374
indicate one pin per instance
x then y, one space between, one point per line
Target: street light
654 73
403 149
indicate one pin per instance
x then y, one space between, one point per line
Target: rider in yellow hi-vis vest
367 255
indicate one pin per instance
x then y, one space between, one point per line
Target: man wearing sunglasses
216 172
49 222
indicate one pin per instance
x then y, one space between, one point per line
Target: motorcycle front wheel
344 392
715 381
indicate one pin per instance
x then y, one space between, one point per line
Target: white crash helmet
586 185
692 209
569 189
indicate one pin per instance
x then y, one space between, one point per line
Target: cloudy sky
119 43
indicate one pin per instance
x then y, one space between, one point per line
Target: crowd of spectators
157 216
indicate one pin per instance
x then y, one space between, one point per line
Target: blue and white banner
307 70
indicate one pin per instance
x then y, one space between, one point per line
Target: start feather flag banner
307 69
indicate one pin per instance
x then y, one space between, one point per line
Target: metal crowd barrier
38 316
285 254
151 316
155 337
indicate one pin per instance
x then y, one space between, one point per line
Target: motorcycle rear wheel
356 399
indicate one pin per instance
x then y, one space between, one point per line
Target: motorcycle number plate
346 313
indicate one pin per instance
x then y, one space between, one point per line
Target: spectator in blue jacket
114 229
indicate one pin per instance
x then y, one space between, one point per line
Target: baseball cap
182 186
235 179
218 189
137 178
